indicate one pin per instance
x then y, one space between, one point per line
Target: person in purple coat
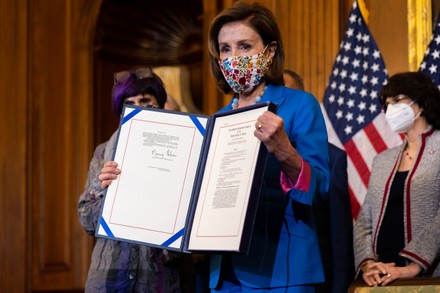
118 266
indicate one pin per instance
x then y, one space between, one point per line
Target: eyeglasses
395 99
140 73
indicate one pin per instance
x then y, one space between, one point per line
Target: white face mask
400 116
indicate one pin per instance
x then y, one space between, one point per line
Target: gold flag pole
419 31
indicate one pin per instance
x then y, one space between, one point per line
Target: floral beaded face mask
244 73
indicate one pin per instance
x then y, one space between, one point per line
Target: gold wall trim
419 31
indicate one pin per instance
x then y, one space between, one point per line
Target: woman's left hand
269 128
394 273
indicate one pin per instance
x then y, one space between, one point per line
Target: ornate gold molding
419 31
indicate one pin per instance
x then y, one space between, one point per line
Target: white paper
227 181
157 153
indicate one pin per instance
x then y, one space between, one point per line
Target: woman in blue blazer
247 58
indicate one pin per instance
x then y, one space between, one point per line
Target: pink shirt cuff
303 181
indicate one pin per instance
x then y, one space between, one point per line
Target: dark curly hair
419 88
264 23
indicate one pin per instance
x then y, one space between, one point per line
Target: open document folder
188 182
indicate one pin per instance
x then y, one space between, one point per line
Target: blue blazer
284 248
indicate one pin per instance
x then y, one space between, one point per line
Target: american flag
351 107
431 62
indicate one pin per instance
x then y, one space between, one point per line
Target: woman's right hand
109 172
373 272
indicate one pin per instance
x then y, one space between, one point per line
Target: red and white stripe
361 150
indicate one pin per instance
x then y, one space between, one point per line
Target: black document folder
188 182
